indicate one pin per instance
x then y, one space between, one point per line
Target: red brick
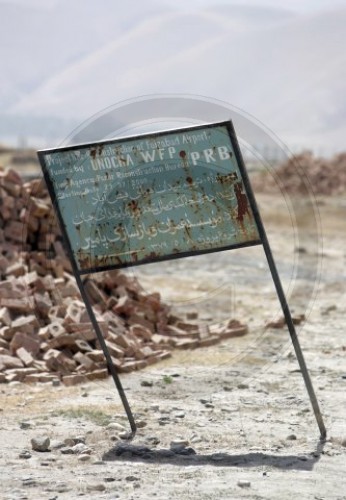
160 340
187 327
31 278
153 300
141 331
13 377
229 333
56 329
43 304
115 323
124 306
114 349
4 263
96 355
3 343
209 341
136 319
32 222
84 360
186 344
26 324
25 356
58 361
160 356
10 362
39 365
57 311
178 332
37 207
68 289
18 373
44 333
16 269
96 295
121 340
73 313
48 282
12 176
5 317
25 340
16 231
74 379
6 333
97 374
12 289
130 366
147 351
204 331
59 249
39 377
62 341
85 334
117 363
82 345
25 305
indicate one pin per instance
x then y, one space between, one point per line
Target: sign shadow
186 456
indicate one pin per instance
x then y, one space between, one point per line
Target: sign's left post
106 352
84 295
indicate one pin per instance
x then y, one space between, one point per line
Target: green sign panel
151 197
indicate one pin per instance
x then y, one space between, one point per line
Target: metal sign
156 197
151 197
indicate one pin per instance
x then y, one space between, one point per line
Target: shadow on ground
187 456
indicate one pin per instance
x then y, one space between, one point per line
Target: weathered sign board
155 197
151 197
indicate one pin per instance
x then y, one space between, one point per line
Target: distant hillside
67 63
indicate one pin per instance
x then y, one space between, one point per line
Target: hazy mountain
37 43
75 59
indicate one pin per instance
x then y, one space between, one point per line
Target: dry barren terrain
228 421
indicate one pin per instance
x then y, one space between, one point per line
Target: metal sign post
154 197
281 295
106 352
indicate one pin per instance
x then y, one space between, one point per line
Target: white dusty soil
241 406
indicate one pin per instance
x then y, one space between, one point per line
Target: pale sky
294 5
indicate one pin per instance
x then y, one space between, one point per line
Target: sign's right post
278 286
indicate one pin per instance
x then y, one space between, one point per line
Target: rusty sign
151 197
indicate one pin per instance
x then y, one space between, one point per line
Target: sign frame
95 146
262 240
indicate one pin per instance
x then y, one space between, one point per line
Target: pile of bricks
325 177
45 332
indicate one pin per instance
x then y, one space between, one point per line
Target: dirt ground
229 421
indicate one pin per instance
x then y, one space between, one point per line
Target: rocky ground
228 421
